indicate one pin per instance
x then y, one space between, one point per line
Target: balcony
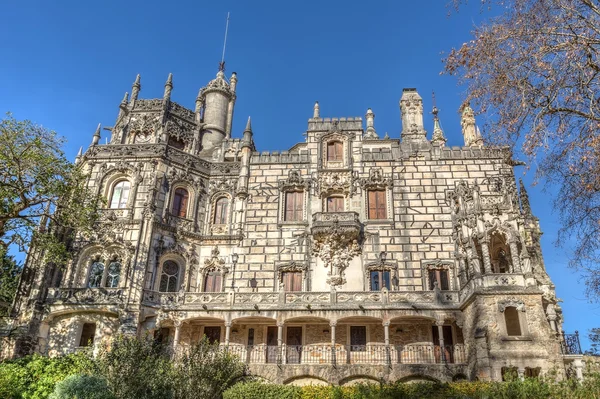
370 354
570 344
346 224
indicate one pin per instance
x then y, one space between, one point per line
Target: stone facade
347 257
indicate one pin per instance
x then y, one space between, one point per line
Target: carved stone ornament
143 128
174 247
291 267
511 302
376 180
214 263
336 244
336 183
180 130
294 182
222 184
177 175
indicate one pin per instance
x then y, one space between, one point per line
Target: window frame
337 155
91 337
339 198
381 277
297 211
217 283
516 322
182 202
220 210
296 277
380 196
169 276
121 203
437 273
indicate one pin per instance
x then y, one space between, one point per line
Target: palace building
348 257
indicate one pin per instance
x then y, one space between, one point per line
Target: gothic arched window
96 274
114 273
335 151
120 194
221 207
180 203
169 277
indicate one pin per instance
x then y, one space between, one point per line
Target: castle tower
218 99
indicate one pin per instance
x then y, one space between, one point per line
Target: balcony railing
570 344
295 299
375 354
85 296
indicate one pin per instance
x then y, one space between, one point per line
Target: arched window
169 277
511 318
221 207
180 202
334 150
96 274
213 282
175 142
114 272
120 194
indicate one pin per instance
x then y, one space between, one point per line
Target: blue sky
67 64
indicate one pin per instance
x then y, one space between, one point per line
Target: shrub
259 390
82 387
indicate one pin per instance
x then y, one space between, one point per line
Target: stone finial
411 109
135 89
79 155
469 128
168 87
247 138
525 205
370 117
125 99
316 112
438 134
233 81
96 136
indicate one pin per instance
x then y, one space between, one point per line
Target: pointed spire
96 136
370 117
79 154
247 139
233 81
168 87
316 111
135 89
248 126
469 127
438 134
125 99
525 205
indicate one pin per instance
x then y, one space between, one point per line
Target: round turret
216 97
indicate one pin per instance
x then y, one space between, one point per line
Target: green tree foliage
534 71
205 371
38 183
594 336
136 368
9 279
81 386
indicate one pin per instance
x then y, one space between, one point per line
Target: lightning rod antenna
222 64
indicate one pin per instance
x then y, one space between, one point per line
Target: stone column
473 263
280 347
440 325
578 363
514 254
386 335
485 252
462 269
177 324
332 325
227 332
521 373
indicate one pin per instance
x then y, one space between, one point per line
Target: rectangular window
511 317
213 282
441 277
358 338
294 206
379 280
213 334
292 281
377 204
334 151
335 204
88 332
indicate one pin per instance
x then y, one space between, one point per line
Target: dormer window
335 151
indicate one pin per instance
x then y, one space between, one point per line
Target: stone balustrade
298 300
85 296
